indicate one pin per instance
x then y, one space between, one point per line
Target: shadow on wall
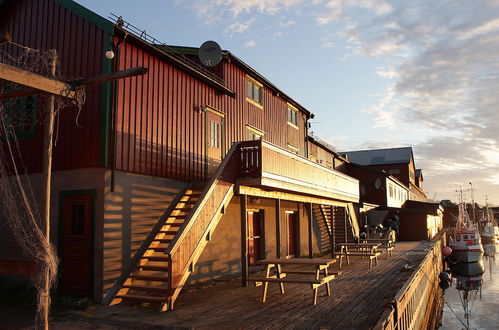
210 269
130 212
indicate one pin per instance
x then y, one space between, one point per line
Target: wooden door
77 244
215 141
292 234
255 237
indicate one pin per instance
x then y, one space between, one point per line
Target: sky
376 73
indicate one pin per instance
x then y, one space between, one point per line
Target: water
483 305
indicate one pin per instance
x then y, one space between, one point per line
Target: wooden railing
187 245
414 307
285 170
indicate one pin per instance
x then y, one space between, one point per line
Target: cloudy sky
375 73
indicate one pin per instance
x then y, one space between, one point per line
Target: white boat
490 230
465 242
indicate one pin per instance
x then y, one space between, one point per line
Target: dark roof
380 156
419 173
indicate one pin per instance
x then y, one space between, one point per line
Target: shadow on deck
358 298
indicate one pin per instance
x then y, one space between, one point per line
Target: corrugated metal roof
380 156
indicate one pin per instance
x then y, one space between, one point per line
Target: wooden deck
358 299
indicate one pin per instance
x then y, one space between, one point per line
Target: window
215 135
254 91
21 115
254 133
292 115
392 172
293 149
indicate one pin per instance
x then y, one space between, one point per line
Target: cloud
238 7
287 23
251 43
328 44
239 27
387 73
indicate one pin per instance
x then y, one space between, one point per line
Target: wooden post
244 240
278 228
333 231
47 176
310 249
345 221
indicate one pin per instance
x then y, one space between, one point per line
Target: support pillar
244 240
310 229
278 228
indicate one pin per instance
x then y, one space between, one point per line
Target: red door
255 237
292 234
76 244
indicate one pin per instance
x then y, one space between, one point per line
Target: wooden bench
320 274
387 244
373 256
315 284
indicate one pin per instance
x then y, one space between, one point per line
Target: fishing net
18 205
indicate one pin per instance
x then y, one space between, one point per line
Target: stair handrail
353 220
198 207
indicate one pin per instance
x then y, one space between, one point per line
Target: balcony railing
266 165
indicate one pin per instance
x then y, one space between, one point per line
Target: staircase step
156 258
140 298
178 216
163 268
183 209
173 224
147 288
168 232
150 278
188 202
158 248
193 194
163 240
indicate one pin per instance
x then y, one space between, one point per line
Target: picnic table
311 268
387 243
369 250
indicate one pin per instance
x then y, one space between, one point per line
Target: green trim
106 103
86 14
65 193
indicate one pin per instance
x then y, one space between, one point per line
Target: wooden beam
259 192
36 81
278 228
81 81
310 228
138 71
244 239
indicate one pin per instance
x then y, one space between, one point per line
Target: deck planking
359 296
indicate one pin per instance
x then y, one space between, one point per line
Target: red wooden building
181 175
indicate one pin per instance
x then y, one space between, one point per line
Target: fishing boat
465 242
489 229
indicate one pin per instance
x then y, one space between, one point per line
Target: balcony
267 166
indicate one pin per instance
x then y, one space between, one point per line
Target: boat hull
466 255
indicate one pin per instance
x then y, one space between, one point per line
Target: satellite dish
210 53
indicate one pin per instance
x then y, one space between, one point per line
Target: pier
400 292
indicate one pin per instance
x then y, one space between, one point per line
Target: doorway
291 234
76 243
215 140
256 244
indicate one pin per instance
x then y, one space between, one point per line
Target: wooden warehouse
182 175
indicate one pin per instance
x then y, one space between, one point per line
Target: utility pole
47 176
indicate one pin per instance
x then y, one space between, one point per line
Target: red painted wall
43 24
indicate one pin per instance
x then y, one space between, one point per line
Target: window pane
77 220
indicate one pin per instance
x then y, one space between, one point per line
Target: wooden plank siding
161 123
44 25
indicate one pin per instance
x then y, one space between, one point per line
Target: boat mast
473 202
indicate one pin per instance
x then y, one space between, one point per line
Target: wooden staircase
166 263
323 215
148 282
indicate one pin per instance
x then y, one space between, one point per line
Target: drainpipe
114 107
